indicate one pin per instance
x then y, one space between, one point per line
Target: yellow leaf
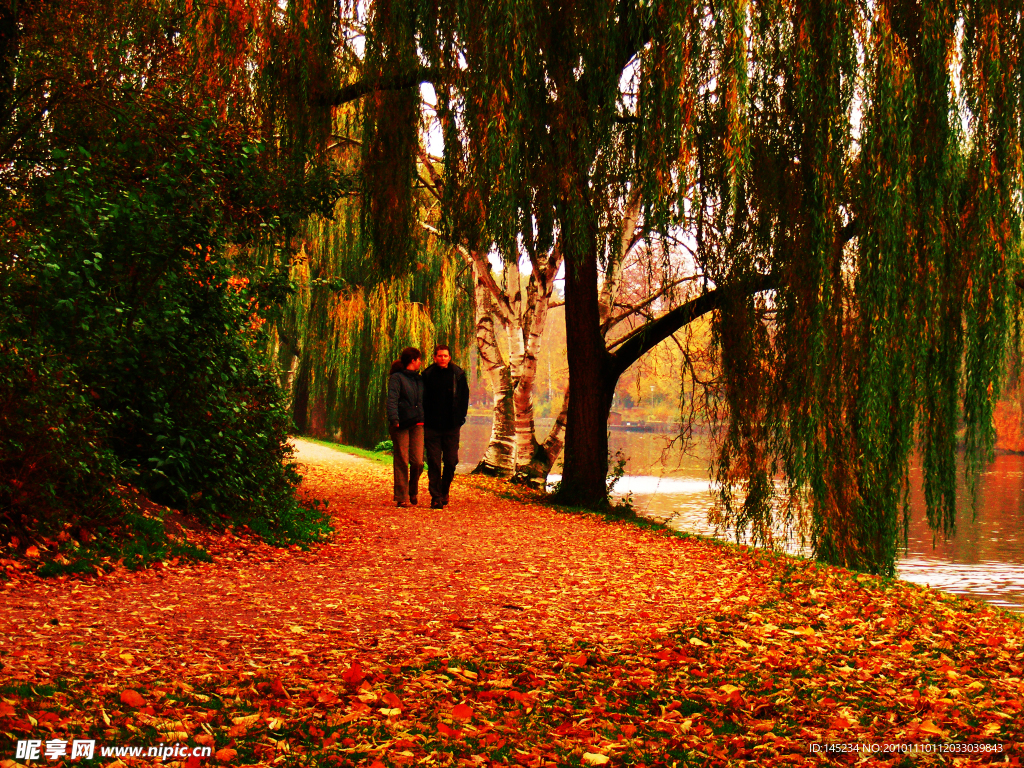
698 642
729 689
297 629
390 711
275 723
247 720
127 658
929 727
742 644
590 758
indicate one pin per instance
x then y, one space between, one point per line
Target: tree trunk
500 456
585 467
535 471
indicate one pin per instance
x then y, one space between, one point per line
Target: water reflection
984 559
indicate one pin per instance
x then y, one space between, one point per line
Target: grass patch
380 456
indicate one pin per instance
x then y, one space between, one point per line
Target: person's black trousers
442 449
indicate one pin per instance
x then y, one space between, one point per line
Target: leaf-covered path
499 631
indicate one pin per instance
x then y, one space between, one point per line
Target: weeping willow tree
340 337
849 176
366 289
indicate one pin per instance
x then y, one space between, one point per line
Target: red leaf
462 712
354 674
133 699
579 658
451 733
277 688
392 700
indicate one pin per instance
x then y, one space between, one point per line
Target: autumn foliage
501 632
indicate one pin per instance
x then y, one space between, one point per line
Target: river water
983 560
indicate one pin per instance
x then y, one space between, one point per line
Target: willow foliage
349 332
863 158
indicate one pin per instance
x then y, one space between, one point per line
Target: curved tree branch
360 88
656 331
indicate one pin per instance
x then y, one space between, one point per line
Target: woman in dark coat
405 423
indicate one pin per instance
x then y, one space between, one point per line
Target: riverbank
502 631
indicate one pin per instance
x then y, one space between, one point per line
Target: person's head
410 359
442 355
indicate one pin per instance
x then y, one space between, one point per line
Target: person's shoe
401 504
414 500
444 501
436 504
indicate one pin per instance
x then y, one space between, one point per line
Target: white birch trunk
500 455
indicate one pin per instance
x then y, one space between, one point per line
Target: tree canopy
848 173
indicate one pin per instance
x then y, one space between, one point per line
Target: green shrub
55 468
153 331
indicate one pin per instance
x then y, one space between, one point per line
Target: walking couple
426 412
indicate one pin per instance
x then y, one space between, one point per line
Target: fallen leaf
591 758
132 699
278 689
225 755
354 674
462 712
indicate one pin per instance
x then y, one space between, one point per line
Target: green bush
152 325
55 469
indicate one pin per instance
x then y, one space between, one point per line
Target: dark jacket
405 399
445 397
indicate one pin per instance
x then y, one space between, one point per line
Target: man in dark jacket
445 401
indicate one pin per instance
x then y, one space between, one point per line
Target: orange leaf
133 699
6 709
462 712
226 755
32 552
579 658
